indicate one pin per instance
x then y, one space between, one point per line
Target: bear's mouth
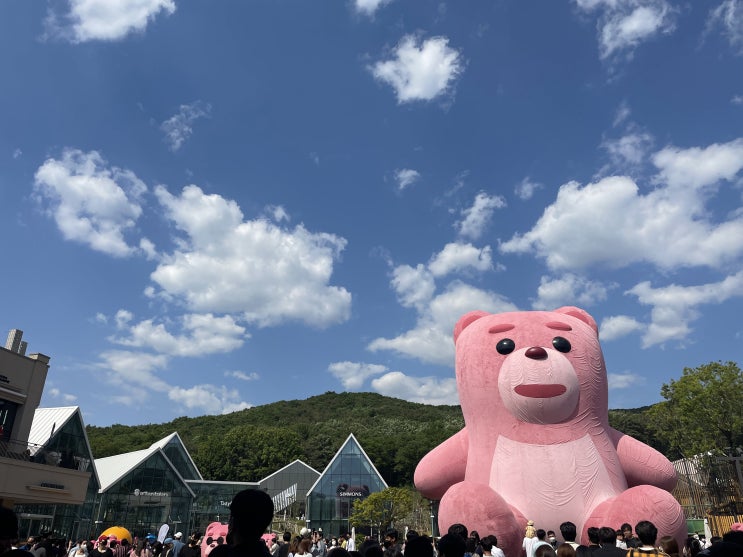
540 390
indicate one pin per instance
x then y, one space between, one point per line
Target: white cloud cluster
424 390
612 223
624 380
406 177
91 203
136 372
107 20
458 257
729 16
266 274
369 7
353 374
477 217
242 376
568 289
625 24
525 189
179 127
204 334
420 71
619 326
630 150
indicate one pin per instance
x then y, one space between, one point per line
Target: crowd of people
251 513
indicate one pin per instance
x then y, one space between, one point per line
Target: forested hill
251 444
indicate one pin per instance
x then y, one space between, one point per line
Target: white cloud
267 274
204 334
457 257
729 16
406 177
208 398
106 20
624 380
674 307
17 153
477 217
737 99
91 203
369 7
623 113
135 372
414 286
252 376
179 127
55 393
629 150
424 390
699 167
619 326
611 223
420 72
278 213
526 188
568 289
625 24
353 374
431 339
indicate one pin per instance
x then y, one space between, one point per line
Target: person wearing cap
177 544
167 547
103 550
251 512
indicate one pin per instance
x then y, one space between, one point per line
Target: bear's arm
643 464
443 466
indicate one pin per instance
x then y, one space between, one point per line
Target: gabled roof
165 441
112 468
48 421
287 466
348 440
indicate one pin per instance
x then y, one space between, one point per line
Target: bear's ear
465 321
581 314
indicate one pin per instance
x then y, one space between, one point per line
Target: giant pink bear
537 443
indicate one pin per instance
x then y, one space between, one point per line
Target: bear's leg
480 508
642 502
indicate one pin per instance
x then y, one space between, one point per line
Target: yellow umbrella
120 532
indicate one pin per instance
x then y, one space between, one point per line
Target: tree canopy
702 410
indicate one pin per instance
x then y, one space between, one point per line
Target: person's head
545 550
551 536
451 545
620 535
304 546
419 546
470 545
458 530
593 535
287 537
669 545
251 511
646 531
371 548
390 537
733 536
411 535
567 530
475 535
607 536
565 550
487 543
541 534
530 531
626 530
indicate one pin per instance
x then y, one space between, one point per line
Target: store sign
345 490
140 493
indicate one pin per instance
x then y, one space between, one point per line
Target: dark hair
419 546
451 545
567 529
287 536
593 534
338 551
541 534
470 544
669 545
626 526
607 535
647 532
487 543
458 530
583 551
733 536
370 548
251 511
411 535
475 535
392 533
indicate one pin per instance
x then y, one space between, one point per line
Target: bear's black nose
536 353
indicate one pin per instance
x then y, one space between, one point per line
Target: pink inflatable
537 443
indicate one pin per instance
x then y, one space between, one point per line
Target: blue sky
207 206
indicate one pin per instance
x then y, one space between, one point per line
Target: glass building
351 475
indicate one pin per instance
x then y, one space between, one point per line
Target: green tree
702 411
382 509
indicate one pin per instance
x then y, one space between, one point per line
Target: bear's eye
505 346
561 344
